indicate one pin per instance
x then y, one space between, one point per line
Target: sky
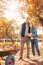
11 9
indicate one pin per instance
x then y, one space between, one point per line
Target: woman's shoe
33 58
40 59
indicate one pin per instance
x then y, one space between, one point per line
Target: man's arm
20 31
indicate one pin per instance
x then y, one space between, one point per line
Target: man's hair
28 18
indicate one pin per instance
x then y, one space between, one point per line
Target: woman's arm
34 32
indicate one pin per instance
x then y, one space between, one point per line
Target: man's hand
29 34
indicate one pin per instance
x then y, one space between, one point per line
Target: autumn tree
7 30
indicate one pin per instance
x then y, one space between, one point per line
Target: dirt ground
25 60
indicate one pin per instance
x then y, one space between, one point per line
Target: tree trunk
9 35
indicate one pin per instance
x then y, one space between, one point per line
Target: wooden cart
10 60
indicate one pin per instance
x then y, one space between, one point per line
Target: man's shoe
20 58
28 57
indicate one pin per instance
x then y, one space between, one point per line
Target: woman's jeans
34 43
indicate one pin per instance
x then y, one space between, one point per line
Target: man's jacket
23 29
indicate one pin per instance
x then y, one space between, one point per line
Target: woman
34 42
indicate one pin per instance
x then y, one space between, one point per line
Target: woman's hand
32 38
29 34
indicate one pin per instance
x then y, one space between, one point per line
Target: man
25 34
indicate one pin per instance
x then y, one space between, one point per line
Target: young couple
27 33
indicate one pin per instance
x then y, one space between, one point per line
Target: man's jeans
34 43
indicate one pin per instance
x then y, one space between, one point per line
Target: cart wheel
10 60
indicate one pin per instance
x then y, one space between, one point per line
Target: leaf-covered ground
25 60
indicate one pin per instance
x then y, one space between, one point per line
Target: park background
12 14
